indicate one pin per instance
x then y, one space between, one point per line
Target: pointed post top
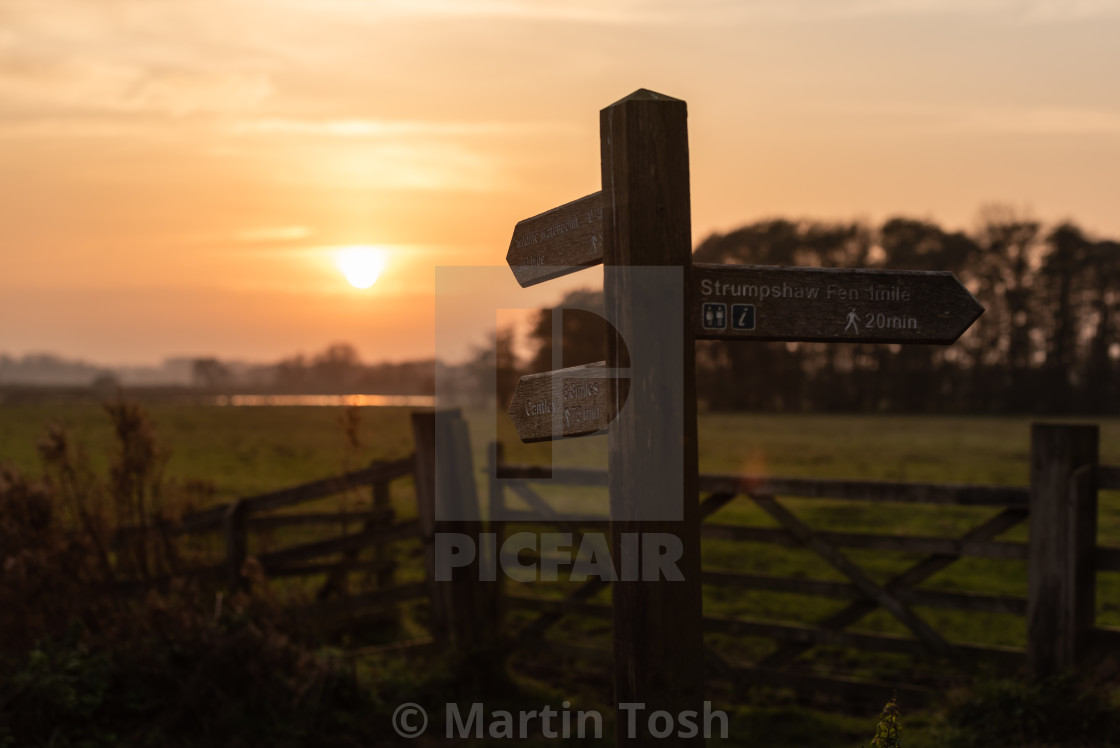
644 94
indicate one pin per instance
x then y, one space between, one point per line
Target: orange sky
175 175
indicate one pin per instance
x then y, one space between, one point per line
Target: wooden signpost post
640 221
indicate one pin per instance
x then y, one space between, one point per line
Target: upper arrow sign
557 242
567 402
756 302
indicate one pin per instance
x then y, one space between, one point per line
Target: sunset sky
177 177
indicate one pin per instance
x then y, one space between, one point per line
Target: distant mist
337 369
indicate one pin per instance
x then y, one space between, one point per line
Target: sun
360 264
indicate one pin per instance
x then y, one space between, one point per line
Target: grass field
248 450
240 451
235 452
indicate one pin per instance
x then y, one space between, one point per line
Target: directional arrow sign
557 242
567 402
755 302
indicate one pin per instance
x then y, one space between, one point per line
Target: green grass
247 450
240 451
957 449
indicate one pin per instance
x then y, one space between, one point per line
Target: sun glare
361 265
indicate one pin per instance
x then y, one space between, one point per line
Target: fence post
445 488
381 555
1063 536
496 510
234 528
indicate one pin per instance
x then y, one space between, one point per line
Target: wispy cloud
273 234
1024 10
1034 121
393 164
73 127
586 11
974 119
638 12
386 128
825 10
86 85
123 56
187 92
1069 10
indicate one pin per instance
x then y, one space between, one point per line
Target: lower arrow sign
564 403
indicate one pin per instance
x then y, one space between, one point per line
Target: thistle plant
888 731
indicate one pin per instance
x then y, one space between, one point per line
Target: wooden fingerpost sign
659 303
739 302
557 242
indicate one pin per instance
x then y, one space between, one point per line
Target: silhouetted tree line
1047 341
336 370
339 369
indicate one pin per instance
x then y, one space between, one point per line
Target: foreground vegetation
82 662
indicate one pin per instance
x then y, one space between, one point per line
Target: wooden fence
335 557
469 610
1062 557
461 609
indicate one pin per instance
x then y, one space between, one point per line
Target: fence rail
255 514
212 517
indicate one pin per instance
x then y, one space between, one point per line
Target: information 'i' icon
742 316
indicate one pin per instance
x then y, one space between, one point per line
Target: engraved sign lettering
558 242
564 403
829 304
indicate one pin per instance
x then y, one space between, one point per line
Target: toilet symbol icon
715 316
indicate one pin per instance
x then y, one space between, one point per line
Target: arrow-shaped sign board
559 404
558 242
754 302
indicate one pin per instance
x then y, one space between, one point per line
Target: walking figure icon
852 323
